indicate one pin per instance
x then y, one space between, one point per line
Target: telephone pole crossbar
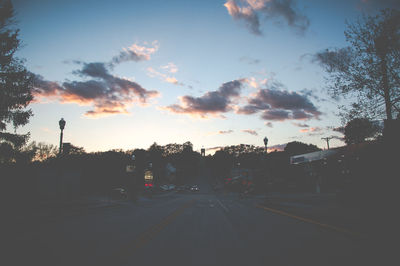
327 139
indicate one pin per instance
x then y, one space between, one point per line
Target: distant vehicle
119 194
194 188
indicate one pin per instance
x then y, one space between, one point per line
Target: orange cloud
108 94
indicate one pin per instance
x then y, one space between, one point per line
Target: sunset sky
125 74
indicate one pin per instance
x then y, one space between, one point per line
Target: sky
126 74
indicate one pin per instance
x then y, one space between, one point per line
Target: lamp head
61 123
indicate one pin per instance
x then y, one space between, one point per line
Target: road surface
190 228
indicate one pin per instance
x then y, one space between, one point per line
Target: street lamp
62 126
266 143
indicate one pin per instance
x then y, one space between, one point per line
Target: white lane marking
223 206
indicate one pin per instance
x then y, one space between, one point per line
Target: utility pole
327 139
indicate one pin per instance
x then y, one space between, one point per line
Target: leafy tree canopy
297 147
367 71
359 129
16 82
237 150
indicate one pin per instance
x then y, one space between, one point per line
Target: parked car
167 187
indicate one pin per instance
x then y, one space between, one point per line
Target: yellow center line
150 233
327 226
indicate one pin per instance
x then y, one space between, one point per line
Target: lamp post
62 126
266 143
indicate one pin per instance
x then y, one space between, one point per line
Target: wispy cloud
250 131
170 67
310 129
249 60
300 124
220 132
136 53
339 129
281 10
224 132
212 103
164 77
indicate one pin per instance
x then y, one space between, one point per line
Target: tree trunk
386 90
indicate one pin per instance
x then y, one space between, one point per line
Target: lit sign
148 175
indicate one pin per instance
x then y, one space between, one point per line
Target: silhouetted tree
238 150
297 147
369 69
358 130
16 83
156 159
74 150
222 163
45 151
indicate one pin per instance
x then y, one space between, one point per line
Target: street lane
83 239
207 234
186 229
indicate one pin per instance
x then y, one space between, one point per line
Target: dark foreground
190 228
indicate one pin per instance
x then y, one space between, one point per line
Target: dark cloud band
251 11
211 103
280 105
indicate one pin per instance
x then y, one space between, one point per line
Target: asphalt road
191 228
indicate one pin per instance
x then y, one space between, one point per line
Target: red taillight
150 185
146 185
